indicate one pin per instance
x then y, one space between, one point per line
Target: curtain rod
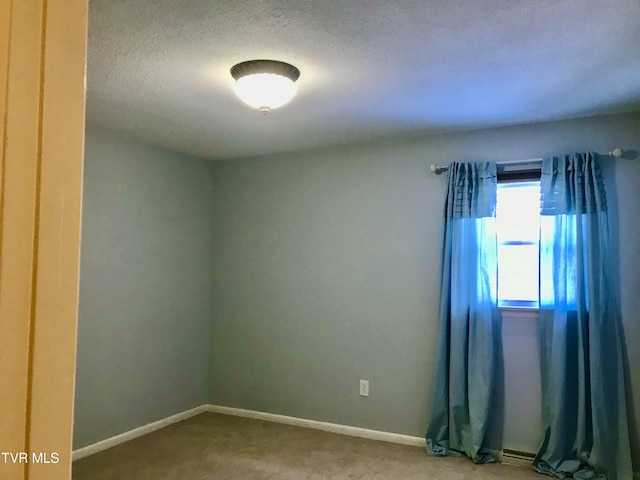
438 169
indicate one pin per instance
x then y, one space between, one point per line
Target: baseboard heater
517 457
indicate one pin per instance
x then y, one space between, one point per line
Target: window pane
517 273
518 211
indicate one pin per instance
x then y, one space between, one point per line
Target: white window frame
509 308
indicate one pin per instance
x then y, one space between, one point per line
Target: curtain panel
468 372
583 382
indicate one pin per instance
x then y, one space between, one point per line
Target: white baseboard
239 412
136 432
327 427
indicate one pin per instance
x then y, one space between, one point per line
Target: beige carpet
214 446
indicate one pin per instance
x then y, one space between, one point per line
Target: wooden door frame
42 103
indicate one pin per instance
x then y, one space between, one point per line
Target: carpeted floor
214 446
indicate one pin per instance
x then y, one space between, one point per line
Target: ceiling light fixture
265 84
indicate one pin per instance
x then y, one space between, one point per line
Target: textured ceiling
159 69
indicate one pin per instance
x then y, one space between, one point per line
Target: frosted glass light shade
265 84
265 90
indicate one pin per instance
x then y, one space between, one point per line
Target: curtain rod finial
616 152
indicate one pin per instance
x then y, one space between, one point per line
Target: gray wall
326 268
144 286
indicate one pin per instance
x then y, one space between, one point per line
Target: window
518 231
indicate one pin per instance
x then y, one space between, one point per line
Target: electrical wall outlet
364 388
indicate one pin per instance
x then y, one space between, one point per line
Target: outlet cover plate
364 388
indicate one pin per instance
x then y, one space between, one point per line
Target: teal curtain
467 373
583 381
